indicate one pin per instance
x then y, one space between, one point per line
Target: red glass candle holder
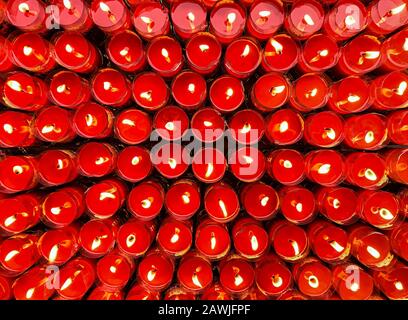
398 240
32 285
74 15
280 54
110 16
236 275
135 237
298 204
324 129
207 125
96 159
394 51
165 56
175 237
56 167
16 129
221 202
250 238
133 164
325 167
286 166
212 239
171 123
18 173
203 53
246 126
226 93
247 164
393 283
29 16
151 19
284 127
114 270
242 57
171 160
304 19
139 292
6 64
397 123
194 273
209 165
366 170
264 19
188 17
385 17
389 92
150 91
397 164
260 200
189 90
182 199
146 200
133 126
93 121
227 21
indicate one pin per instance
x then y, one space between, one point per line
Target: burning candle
260 200
247 126
133 164
389 91
227 21
188 18
397 124
325 167
264 19
212 239
171 160
247 164
298 204
133 126
280 54
18 173
146 200
286 166
250 238
203 53
96 159
393 284
73 15
227 93
195 273
139 292
135 237
102 293
215 292
93 121
394 51
284 127
114 270
151 19
27 15
125 50
221 202
209 165
110 15
32 285
165 56
171 123
175 237
399 240
387 16
150 91
397 164
56 167
16 129
242 57
189 90
207 125
367 131
182 199
304 19
324 129
236 275
6 64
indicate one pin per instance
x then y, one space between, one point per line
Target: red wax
188 17
171 160
96 159
56 167
27 15
242 57
102 293
18 173
247 164
16 129
73 15
389 91
171 123
387 16
236 275
134 237
92 120
250 238
324 129
110 15
32 285
247 126
133 164
125 49
215 292
394 51
151 19
175 237
189 90
221 202
227 93
207 125
133 126
397 164
145 201
260 200
139 292
165 56
284 127
156 271
182 199
209 165
319 53
325 167
264 19
194 273
280 54
114 270
286 166
150 91
298 204
203 53
212 239
6 63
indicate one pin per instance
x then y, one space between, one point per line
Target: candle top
108 13
188 16
203 50
24 13
125 48
71 11
228 20
266 15
151 19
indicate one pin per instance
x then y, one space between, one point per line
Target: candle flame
213 241
191 18
147 203
135 160
223 208
283 126
246 128
9 220
147 95
354 287
165 55
398 9
277 280
55 210
229 93
113 269
148 22
191 87
130 240
353 98
29 293
401 88
27 50
67 4
16 86
195 279
231 17
210 170
286 164
405 45
246 51
101 160
370 55
204 47
96 243
53 253
66 284
125 53
170 126
90 120
320 53
107 195
254 243
11 255
186 197
278 89
369 137
336 246
329 133
152 273
313 281
264 201
50 128
18 169
349 21
176 236
384 213
62 88
324 168
299 206
237 278
398 285
368 174
23 7
172 163
277 46
308 19
107 85
373 252
207 123
248 159
104 7
68 48
8 128
295 247
311 93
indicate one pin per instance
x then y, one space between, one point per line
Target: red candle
92 120
284 127
60 208
165 56
97 237
195 273
73 51
171 123
150 91
242 57
96 159
133 126
25 92
393 284
139 292
339 204
325 167
212 239
135 237
209 165
236 275
16 129
270 92
102 293
221 202
188 17
366 170
32 285
215 292
31 52
387 16
56 167
207 125
114 270
250 238
110 15
189 90
298 204
280 54
156 271
397 164
6 63
182 199
227 93
247 126
319 53
145 201
346 19
175 237
227 21
264 19
324 129
151 19
27 15
125 50
389 91
133 164
59 245
399 240
73 15
247 164
394 51
178 293
69 90
310 92
286 166
260 200
367 131
18 173
397 123
304 19
203 53
171 160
